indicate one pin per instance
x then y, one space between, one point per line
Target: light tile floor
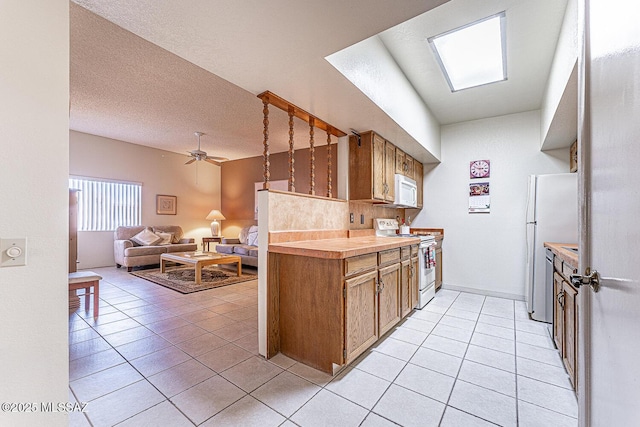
156 357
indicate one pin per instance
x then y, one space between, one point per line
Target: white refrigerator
552 216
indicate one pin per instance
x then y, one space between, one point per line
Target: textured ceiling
152 73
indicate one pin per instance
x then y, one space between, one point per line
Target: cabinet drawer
388 256
359 264
405 252
414 251
567 271
557 264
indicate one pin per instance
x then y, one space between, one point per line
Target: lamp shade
215 214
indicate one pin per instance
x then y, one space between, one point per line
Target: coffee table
199 260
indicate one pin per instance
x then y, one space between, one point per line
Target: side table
207 240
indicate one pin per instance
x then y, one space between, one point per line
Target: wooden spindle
292 179
312 159
265 154
328 161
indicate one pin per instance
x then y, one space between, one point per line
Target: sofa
245 246
135 246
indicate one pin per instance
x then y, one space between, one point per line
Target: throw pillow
243 235
167 238
146 238
252 237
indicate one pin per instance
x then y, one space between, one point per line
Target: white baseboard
484 292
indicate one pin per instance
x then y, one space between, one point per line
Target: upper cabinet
371 168
373 162
418 177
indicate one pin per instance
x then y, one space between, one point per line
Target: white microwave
406 194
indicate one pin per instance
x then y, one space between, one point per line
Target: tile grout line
458 373
144 377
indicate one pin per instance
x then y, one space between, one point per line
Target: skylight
473 55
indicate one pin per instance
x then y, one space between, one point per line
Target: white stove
388 227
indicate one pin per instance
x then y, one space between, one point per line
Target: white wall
486 252
369 66
34 112
160 172
559 123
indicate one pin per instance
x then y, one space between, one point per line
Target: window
473 55
105 205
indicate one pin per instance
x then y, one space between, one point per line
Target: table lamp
215 215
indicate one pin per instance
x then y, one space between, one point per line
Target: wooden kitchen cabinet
404 163
418 177
570 330
408 170
565 316
329 311
558 312
409 287
400 164
388 298
372 165
361 313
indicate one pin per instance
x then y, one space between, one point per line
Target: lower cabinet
361 313
565 318
388 297
330 311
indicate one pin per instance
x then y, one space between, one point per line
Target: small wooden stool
85 280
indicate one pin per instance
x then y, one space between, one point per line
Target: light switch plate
8 261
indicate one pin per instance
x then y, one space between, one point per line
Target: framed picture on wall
166 205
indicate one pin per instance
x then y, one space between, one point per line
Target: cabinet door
399 161
389 171
408 168
413 282
405 288
438 268
417 175
379 188
570 330
389 298
558 312
361 314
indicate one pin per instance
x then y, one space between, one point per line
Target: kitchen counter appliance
386 227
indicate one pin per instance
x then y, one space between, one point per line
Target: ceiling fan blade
208 160
190 161
221 159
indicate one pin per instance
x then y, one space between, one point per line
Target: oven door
427 276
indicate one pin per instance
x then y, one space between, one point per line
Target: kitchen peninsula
331 299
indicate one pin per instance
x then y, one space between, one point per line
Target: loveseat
245 246
136 245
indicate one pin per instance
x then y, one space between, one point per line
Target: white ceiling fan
201 155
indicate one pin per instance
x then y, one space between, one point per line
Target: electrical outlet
351 219
361 218
13 252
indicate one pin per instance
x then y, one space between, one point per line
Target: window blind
105 205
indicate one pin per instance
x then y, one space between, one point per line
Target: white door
609 134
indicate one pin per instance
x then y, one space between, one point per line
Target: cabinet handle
561 299
380 286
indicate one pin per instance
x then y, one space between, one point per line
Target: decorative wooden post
328 161
265 154
312 158
292 179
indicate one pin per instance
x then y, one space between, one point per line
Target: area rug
182 279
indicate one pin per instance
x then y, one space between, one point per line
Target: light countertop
343 247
